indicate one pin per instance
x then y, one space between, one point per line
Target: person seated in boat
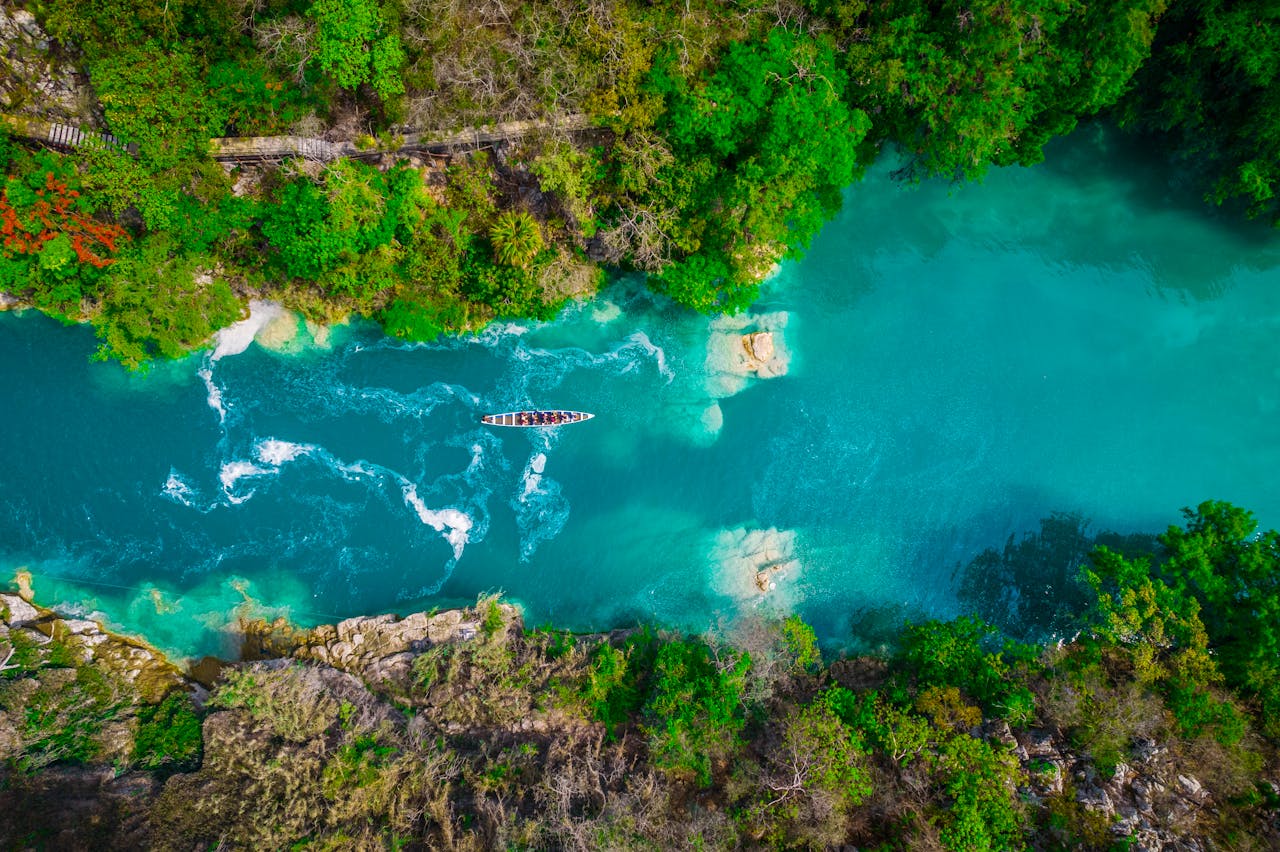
524 418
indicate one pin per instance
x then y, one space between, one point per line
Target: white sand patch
282 333
236 337
713 418
321 335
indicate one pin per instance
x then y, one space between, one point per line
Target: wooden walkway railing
61 136
242 149
258 149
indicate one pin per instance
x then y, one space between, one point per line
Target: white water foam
541 510
495 332
275 452
233 340
533 474
177 490
453 523
389 405
215 393
233 471
641 340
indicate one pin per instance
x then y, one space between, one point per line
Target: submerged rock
752 563
744 347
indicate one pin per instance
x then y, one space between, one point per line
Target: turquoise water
1083 337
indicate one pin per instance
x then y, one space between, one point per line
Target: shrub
694 709
964 653
979 780
168 735
293 703
802 643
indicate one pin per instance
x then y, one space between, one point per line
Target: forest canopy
717 141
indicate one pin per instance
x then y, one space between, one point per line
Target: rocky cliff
35 80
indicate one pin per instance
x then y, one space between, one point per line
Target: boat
535 418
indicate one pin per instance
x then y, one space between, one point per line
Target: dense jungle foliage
724 136
1158 722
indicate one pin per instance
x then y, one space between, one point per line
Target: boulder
759 345
20 612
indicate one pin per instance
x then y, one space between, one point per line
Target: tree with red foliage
31 218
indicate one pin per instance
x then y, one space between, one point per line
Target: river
1083 336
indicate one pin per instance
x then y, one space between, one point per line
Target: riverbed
951 364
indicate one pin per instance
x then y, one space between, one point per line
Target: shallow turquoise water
1082 336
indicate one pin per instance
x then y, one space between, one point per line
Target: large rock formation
137 664
1149 800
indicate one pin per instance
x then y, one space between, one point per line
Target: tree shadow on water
1032 588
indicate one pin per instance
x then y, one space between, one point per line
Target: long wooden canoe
535 418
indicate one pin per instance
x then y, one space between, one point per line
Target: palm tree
516 238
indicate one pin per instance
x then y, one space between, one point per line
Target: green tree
965 85
1212 90
1232 571
980 780
156 98
357 45
965 653
762 144
694 709
516 238
155 302
810 782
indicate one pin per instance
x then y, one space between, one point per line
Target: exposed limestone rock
743 347
17 612
1146 800
138 664
10 742
759 346
33 82
379 649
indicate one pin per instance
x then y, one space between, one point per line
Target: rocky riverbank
461 729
